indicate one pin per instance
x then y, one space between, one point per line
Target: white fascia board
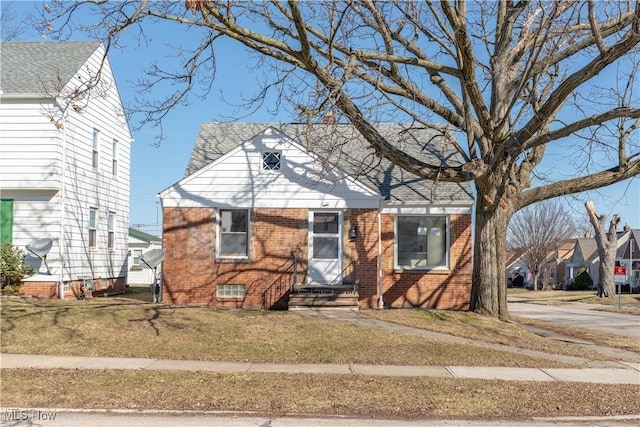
18 96
258 204
427 209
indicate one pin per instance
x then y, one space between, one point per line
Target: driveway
580 315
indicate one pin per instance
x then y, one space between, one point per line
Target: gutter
62 209
380 299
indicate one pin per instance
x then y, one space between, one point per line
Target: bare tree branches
537 230
513 81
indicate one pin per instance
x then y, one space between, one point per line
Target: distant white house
65 165
628 255
585 257
139 244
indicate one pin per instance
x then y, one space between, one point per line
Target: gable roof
587 248
342 146
41 67
631 246
141 235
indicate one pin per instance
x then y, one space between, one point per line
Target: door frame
336 273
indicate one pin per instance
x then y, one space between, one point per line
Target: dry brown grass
364 396
121 327
126 326
486 329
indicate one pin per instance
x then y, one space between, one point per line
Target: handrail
349 267
282 285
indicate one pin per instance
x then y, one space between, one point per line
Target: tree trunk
607 243
489 290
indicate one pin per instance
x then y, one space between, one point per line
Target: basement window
231 291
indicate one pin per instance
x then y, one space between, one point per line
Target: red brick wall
191 270
110 286
439 289
450 289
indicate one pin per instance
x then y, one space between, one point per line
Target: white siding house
64 164
139 244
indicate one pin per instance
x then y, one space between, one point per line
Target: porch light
353 232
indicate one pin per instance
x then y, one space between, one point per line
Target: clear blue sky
155 168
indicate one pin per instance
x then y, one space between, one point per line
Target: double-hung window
114 158
233 233
137 254
111 231
93 226
421 242
95 148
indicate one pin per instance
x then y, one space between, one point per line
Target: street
580 315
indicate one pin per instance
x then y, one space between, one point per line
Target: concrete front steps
323 296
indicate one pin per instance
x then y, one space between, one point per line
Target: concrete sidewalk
630 374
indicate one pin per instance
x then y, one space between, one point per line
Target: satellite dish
153 258
41 248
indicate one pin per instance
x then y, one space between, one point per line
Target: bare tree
516 83
538 229
607 242
10 26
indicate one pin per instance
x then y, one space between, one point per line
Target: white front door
325 248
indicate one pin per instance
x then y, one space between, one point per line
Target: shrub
12 267
582 281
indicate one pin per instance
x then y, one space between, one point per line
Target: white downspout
380 299
62 208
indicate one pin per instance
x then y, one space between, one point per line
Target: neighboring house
584 258
286 215
64 168
139 244
514 264
553 271
628 255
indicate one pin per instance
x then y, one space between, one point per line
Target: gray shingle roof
346 149
41 67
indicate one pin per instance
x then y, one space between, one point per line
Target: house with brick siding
283 216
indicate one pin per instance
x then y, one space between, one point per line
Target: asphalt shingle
41 68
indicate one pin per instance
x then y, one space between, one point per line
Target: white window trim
219 254
445 267
115 148
95 149
262 165
96 221
112 231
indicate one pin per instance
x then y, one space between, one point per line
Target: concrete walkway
628 374
623 368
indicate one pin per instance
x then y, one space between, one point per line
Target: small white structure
65 164
139 244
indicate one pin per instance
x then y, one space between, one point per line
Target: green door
6 220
